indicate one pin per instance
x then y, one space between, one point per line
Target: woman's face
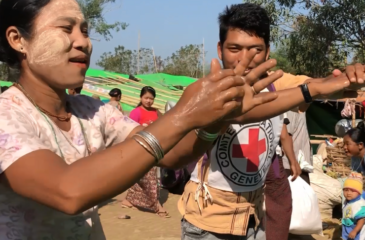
351 148
147 100
59 50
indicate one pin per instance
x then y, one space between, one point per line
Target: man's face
236 47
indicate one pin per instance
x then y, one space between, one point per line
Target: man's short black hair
248 17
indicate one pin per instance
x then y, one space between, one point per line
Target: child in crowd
353 217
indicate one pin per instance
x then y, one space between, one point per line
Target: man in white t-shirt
224 198
297 128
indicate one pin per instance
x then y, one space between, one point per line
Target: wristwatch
306 94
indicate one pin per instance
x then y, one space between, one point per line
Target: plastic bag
305 218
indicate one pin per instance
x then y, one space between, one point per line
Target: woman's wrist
180 121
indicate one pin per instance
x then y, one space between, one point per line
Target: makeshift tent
100 82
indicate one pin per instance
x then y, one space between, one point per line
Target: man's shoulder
289 80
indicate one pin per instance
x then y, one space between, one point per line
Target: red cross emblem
250 151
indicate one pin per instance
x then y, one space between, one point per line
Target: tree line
313 37
186 61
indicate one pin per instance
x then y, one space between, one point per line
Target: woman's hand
222 93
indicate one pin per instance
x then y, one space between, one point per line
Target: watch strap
306 94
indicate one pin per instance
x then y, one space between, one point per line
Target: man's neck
52 100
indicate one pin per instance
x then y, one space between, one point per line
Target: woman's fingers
263 83
255 74
229 82
232 94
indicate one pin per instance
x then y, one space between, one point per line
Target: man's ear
219 50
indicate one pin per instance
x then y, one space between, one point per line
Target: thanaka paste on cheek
48 48
51 44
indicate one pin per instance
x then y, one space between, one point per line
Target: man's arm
287 145
286 100
290 98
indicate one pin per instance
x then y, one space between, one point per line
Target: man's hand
295 170
254 83
355 74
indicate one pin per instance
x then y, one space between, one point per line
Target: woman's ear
15 39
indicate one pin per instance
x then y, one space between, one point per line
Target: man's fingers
263 83
215 66
245 62
336 73
255 74
294 177
230 106
350 72
359 71
262 98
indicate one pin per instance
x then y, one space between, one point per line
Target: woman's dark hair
21 14
357 134
115 92
145 90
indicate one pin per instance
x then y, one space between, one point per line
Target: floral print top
24 129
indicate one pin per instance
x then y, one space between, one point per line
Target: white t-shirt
242 156
23 129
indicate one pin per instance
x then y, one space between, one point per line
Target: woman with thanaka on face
54 147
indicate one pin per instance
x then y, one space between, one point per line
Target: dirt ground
148 226
142 225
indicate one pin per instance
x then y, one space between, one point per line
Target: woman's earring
21 50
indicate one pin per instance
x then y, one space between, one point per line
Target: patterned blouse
23 129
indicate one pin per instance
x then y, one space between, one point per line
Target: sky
165 25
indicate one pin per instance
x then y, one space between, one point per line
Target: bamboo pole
139 38
203 59
176 93
353 106
154 60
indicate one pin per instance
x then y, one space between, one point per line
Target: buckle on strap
202 188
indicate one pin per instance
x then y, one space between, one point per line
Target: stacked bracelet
205 136
152 143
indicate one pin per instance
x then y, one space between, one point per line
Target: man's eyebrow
250 46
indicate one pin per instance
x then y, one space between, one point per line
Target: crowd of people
63 154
